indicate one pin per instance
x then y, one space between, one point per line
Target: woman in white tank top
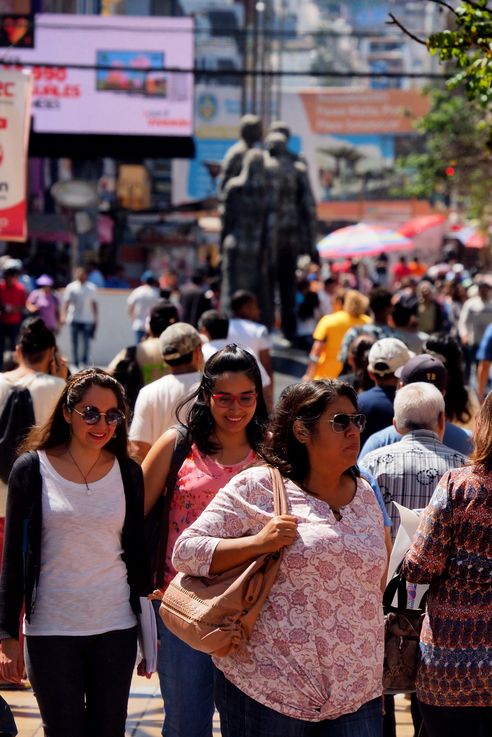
80 500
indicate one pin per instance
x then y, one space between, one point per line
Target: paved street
145 712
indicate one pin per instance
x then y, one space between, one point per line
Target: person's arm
314 356
233 528
483 371
21 483
95 310
138 450
428 555
463 324
277 533
155 467
140 436
266 359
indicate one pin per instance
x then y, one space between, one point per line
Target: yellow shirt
330 330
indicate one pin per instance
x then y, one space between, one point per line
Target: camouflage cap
178 340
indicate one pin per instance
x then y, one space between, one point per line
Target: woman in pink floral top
226 425
313 665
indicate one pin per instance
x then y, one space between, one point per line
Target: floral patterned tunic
199 479
452 551
316 651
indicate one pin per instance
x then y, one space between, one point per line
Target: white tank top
83 587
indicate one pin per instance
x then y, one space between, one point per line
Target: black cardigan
22 547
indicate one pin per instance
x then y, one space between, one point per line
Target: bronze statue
269 220
250 133
248 232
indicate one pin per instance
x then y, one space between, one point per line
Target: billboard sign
126 90
15 108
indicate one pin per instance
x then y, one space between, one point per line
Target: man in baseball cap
423 368
385 357
179 340
156 402
429 369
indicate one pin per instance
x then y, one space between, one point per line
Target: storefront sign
15 114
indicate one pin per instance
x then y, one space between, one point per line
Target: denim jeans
85 331
187 686
82 683
457 721
241 716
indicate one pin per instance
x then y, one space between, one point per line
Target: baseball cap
423 368
13 264
147 276
44 281
178 340
387 355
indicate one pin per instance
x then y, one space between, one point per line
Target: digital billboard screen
127 89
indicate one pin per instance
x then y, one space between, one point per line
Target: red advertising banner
15 116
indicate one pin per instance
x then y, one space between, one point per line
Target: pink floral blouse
316 651
199 479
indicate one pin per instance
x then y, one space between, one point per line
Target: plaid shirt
408 471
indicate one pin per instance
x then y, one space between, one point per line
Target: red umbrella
420 224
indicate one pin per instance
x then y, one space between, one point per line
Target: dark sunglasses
342 422
224 399
91 415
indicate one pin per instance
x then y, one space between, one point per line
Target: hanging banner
15 116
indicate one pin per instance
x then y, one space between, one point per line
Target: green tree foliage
455 164
468 48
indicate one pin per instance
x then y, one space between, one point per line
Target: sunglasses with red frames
91 415
342 421
225 400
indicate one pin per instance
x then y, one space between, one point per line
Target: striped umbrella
362 239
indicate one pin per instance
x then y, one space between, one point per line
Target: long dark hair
56 430
456 398
306 402
482 436
199 420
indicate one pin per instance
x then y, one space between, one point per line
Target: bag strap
398 585
182 447
280 505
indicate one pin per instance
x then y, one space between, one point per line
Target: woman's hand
11 661
278 532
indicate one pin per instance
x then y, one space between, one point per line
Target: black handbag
402 628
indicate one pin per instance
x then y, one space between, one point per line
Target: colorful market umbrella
420 224
470 236
361 240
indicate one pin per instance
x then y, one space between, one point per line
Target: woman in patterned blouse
313 664
452 551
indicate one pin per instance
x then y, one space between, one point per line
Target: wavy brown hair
306 402
482 436
56 430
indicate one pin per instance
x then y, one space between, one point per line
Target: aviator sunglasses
342 421
224 400
91 415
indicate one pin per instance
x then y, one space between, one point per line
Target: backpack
16 420
129 374
156 525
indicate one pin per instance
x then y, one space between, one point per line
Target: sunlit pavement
145 712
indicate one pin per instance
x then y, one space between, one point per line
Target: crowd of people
393 407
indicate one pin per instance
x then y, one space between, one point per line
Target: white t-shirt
212 346
80 298
250 334
45 391
156 403
83 587
141 300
